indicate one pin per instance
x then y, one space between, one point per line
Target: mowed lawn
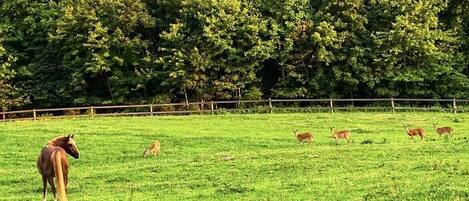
267 163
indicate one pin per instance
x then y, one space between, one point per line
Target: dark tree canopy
81 52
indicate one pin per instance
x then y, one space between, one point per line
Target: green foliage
99 40
422 56
9 95
79 52
214 48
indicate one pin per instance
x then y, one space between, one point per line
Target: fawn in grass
153 149
303 137
344 134
444 130
414 132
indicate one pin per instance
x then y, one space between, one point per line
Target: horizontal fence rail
266 106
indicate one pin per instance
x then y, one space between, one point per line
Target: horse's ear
72 135
68 136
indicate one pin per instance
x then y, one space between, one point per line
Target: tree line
56 53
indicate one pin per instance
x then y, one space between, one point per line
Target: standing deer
303 137
444 130
344 134
416 131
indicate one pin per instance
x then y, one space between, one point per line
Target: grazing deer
345 134
303 137
414 132
153 149
444 130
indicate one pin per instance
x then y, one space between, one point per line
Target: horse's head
70 147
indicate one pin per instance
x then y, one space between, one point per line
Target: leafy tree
78 52
321 49
214 49
24 32
414 55
289 24
9 95
101 44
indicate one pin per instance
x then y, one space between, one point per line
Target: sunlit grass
267 163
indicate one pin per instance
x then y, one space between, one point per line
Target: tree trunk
109 87
185 96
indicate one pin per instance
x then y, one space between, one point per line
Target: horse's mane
56 141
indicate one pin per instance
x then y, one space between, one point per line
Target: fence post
34 114
91 111
454 105
392 105
270 105
212 108
332 106
3 115
151 109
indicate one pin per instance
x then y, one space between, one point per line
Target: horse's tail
60 177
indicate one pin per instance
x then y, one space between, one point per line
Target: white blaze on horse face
71 142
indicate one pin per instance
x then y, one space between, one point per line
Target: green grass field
267 162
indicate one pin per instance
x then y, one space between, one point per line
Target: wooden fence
267 106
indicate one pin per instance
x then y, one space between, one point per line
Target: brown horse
52 162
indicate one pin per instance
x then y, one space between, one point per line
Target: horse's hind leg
65 181
44 188
52 186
